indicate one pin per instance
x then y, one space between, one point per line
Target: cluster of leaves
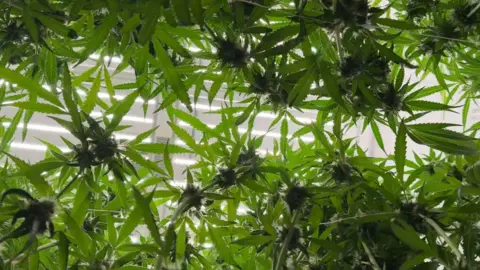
317 204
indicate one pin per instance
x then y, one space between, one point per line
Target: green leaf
186 138
122 110
49 65
197 11
217 84
39 107
331 86
182 11
283 136
78 236
140 160
165 63
181 238
31 25
168 162
392 56
153 9
221 246
465 111
328 245
408 235
29 85
148 217
195 123
245 114
68 97
111 230
272 39
63 246
92 95
423 105
85 76
129 224
142 136
8 135
401 150
404 25
159 148
302 88
377 134
254 240
171 42
100 35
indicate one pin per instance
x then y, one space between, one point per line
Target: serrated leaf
392 56
168 161
423 105
408 235
100 35
171 42
165 63
273 38
159 148
122 110
302 88
401 150
32 27
331 86
129 224
39 107
8 135
49 66
181 238
142 136
182 11
68 97
254 240
144 206
221 246
92 95
140 160
186 138
29 85
79 237
148 28
63 251
403 25
245 114
377 134
195 123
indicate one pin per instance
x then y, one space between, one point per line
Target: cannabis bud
225 178
296 197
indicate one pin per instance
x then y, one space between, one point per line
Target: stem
180 209
357 217
205 188
370 257
68 186
287 240
474 10
443 235
338 39
22 256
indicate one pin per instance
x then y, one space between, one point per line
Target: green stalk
473 10
444 236
370 257
40 248
180 209
357 217
338 39
68 186
283 250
